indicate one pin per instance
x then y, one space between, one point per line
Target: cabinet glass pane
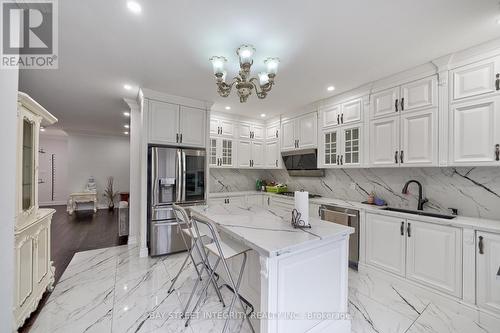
351 146
27 165
213 152
227 152
330 148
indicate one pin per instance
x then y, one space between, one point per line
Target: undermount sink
419 212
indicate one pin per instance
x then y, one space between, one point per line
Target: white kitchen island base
311 284
296 279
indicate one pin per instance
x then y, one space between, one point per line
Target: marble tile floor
113 290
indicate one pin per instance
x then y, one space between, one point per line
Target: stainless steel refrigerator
175 175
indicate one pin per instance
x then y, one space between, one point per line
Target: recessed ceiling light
330 88
126 126
134 7
263 115
126 133
127 87
126 114
228 108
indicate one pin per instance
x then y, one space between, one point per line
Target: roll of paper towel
302 205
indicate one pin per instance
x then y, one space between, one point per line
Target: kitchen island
295 278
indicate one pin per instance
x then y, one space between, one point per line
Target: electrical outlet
353 186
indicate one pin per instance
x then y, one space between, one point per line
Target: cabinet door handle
402 229
408 229
276 133
402 104
497 152
396 105
177 138
276 163
342 159
498 273
181 137
497 82
342 118
268 201
298 143
401 156
480 245
396 157
338 159
338 119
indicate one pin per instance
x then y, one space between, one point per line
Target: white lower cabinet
427 253
434 256
386 243
488 271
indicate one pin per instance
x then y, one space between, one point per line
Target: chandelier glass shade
243 82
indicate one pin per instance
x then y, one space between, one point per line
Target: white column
8 128
143 160
135 172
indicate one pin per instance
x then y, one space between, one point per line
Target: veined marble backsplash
474 191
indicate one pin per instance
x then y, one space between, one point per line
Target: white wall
100 157
8 129
57 146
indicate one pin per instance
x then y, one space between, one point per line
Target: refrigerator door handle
178 180
154 175
183 198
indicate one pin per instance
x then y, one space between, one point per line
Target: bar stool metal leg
236 289
205 287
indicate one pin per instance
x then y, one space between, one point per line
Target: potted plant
110 194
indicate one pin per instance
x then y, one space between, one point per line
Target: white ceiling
166 48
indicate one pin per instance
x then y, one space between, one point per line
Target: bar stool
223 251
196 236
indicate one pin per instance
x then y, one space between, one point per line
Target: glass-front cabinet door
212 153
28 165
351 146
227 152
331 145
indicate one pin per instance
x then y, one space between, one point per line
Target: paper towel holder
297 222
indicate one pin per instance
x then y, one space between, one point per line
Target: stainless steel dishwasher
349 217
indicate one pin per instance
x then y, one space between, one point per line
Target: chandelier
243 82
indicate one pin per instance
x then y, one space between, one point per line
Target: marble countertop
476 223
268 230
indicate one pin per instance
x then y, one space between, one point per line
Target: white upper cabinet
272 155
419 142
351 146
385 102
288 139
163 123
272 131
419 94
251 154
330 148
221 153
351 112
488 271
434 256
176 125
192 125
386 243
384 142
307 131
475 79
330 116
250 131
475 132
244 153
222 127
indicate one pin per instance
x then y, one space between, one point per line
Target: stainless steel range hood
302 163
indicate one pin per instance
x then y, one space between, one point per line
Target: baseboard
144 252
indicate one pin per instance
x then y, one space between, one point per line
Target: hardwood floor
74 233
